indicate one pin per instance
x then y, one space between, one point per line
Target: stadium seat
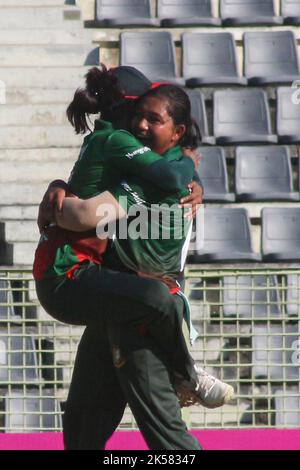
6 301
272 352
118 13
153 53
281 234
288 115
213 173
290 11
251 297
248 12
264 174
210 59
200 115
18 359
32 411
181 13
270 58
242 117
287 408
227 237
293 295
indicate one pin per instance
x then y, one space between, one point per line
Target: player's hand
193 200
188 152
52 201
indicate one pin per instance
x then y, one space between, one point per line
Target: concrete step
18 213
30 172
43 77
17 253
45 36
39 155
22 193
32 3
20 231
39 18
34 114
48 56
39 96
31 137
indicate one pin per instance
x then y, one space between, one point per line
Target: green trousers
99 392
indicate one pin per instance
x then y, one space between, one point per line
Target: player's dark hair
179 108
100 95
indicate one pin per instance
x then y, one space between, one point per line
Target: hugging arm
80 215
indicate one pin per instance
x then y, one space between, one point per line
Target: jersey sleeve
131 157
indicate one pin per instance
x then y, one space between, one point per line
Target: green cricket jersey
107 156
158 235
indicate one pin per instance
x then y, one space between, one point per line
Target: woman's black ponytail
99 96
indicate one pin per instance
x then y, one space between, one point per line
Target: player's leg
144 374
95 403
128 298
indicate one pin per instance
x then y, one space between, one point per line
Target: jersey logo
139 151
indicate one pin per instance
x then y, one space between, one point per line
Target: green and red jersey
107 157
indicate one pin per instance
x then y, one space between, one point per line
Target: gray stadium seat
227 237
251 297
288 115
293 295
242 116
210 59
273 349
153 53
200 116
186 13
18 359
270 58
252 12
213 173
290 10
264 174
281 234
31 412
287 408
6 301
118 13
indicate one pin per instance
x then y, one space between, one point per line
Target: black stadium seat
18 359
210 59
153 53
287 408
7 311
242 116
293 295
200 116
264 174
118 13
213 173
180 13
270 57
227 237
273 348
32 411
288 115
290 11
281 234
252 12
251 297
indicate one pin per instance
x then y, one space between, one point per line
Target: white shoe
209 392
